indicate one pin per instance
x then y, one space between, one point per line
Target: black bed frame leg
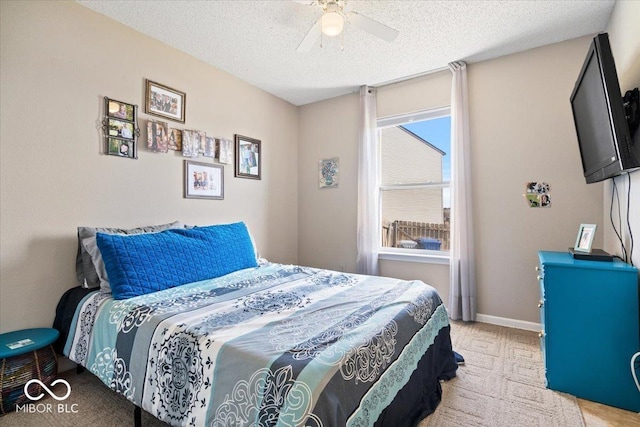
137 417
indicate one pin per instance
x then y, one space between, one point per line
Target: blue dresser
590 328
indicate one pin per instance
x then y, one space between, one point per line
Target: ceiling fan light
332 24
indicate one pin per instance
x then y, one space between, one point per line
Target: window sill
430 257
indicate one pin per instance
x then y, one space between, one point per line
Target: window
415 170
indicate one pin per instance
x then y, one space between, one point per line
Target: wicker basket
17 371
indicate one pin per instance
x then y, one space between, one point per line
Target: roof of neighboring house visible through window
422 140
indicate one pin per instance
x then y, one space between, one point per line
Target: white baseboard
511 323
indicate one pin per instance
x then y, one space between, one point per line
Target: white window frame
401 254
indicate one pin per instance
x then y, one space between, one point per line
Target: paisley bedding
276 345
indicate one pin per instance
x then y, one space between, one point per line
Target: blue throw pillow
145 263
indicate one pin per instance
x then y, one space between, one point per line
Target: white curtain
368 165
462 292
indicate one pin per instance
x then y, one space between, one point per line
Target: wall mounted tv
605 140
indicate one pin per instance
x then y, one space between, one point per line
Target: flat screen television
606 147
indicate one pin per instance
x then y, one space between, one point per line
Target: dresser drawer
541 307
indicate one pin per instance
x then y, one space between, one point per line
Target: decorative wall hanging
209 147
175 139
120 128
224 149
157 136
165 102
191 142
329 172
248 154
537 194
203 180
201 140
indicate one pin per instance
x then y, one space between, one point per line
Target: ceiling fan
332 21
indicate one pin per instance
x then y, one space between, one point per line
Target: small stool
25 355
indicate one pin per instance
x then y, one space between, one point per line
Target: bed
268 345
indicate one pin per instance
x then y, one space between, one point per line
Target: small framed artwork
120 128
209 147
190 143
586 233
203 180
120 110
157 136
165 102
175 139
538 194
224 149
248 154
328 172
120 147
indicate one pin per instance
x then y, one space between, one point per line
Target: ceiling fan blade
312 36
374 27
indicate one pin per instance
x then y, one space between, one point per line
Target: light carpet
501 384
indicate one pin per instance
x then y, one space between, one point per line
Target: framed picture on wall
120 147
120 110
165 102
203 180
120 129
328 173
248 154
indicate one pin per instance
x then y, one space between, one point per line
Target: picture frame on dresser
584 240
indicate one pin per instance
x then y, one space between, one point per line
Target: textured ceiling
256 40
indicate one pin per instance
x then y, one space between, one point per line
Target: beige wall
437 275
624 36
58 59
327 216
521 130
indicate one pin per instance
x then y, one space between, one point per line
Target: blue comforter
276 345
